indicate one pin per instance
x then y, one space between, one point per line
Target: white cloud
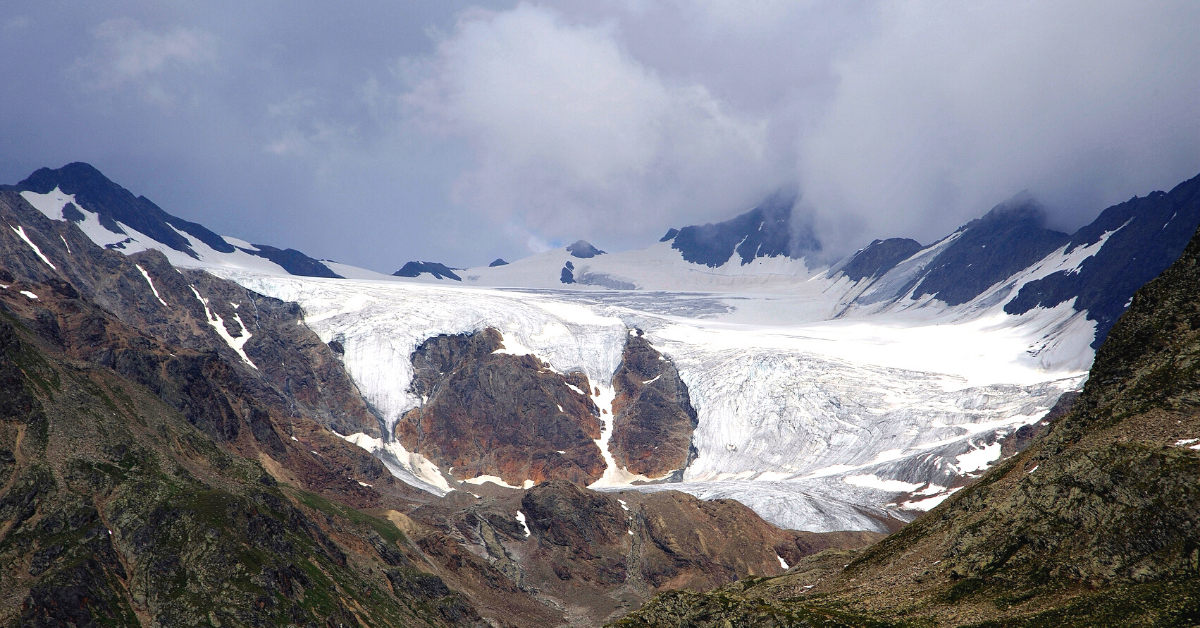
953 107
129 56
573 137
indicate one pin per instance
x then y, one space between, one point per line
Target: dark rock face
670 235
72 213
497 414
439 271
583 250
293 261
653 418
879 257
1150 234
499 261
567 275
1009 238
114 203
765 231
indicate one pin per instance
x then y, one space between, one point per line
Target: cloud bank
464 130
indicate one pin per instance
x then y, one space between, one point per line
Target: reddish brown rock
600 554
488 413
653 418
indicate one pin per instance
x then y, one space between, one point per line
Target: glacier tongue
786 412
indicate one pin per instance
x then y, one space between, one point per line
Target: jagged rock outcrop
583 250
1094 524
486 412
438 271
653 418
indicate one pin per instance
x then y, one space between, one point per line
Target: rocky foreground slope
1097 523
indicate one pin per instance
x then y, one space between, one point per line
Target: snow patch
521 520
411 468
978 459
871 481
151 282
782 562
929 504
20 230
29 294
218 324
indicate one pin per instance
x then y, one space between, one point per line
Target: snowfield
792 417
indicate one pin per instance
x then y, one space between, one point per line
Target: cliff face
653 418
489 413
1094 524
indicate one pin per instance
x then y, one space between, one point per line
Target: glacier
791 414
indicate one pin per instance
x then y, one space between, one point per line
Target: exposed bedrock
489 413
599 554
653 418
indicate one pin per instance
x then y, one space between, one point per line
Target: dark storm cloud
377 132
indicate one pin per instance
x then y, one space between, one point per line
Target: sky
377 132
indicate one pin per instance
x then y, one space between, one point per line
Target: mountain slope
765 231
1096 524
116 510
1147 235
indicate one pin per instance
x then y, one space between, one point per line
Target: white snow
218 324
20 230
782 562
930 503
624 506
978 459
1035 468
1186 441
65 243
51 203
151 282
521 520
871 481
29 294
412 468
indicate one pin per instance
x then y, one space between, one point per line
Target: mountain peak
99 194
768 230
1022 207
